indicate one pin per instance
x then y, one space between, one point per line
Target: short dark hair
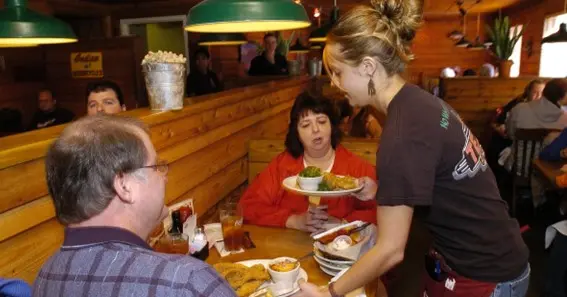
270 34
469 72
555 90
84 160
105 85
317 104
201 51
45 90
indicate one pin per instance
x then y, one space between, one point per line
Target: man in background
202 80
48 114
269 62
108 187
104 97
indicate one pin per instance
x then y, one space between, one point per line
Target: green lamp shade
477 45
298 48
218 16
18 45
559 36
215 39
22 26
463 43
316 46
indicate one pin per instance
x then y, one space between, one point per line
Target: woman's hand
312 220
369 189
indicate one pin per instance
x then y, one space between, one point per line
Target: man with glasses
108 188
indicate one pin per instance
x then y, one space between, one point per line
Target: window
552 61
516 52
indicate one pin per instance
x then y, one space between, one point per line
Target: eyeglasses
161 166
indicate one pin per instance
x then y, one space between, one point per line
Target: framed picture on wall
248 52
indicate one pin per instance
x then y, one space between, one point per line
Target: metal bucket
314 67
165 83
294 68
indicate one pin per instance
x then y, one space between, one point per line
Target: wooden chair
527 145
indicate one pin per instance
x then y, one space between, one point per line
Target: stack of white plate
330 266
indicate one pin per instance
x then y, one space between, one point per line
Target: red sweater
267 203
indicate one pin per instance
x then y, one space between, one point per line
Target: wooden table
548 170
275 242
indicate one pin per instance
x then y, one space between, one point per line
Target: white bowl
309 183
288 276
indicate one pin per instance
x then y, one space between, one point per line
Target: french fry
315 200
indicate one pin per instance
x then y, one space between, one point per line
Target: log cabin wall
121 58
532 15
22 75
476 99
206 145
434 51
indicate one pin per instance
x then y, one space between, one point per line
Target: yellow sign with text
86 65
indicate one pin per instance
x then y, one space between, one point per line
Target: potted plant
503 43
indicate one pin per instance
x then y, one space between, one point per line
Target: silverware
306 256
359 228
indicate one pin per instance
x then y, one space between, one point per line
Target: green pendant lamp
298 48
320 34
559 36
218 16
22 26
217 39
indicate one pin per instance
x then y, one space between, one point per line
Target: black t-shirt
501 118
261 66
429 159
58 116
201 84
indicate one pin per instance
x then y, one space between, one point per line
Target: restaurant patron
312 140
104 97
48 113
108 188
269 62
202 81
431 168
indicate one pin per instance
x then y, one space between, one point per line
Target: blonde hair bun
404 16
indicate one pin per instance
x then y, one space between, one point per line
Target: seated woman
312 140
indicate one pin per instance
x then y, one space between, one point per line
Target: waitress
431 166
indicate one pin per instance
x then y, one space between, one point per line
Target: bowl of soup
284 269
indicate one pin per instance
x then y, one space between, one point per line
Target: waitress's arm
394 224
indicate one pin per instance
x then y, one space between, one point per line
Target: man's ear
123 188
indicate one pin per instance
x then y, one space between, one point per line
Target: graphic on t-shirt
473 159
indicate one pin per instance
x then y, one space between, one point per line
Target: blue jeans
514 288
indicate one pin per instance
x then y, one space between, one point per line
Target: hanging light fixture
217 39
220 16
561 34
320 34
18 45
477 45
463 42
298 48
22 26
316 46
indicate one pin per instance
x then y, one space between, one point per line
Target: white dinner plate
290 184
337 262
266 262
329 266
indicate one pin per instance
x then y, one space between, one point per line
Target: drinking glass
173 243
231 221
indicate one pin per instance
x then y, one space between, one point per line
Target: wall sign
86 65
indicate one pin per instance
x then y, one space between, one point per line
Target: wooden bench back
262 151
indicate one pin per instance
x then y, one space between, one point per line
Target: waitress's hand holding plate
368 191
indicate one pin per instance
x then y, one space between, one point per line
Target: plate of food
280 276
312 181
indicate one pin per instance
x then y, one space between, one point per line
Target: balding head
82 164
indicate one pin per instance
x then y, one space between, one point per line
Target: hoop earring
371 88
